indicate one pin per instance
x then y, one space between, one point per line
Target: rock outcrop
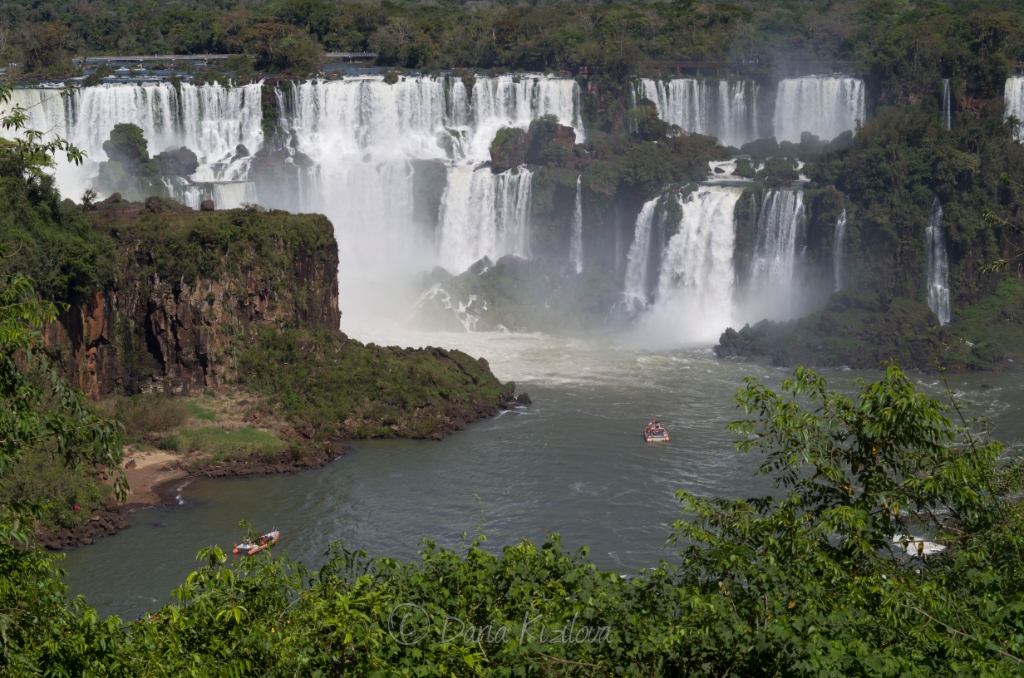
190 289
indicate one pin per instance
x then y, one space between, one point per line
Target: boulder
206 206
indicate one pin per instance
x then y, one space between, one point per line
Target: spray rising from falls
837 249
1013 99
726 109
697 279
938 265
947 105
368 139
484 214
576 244
825 106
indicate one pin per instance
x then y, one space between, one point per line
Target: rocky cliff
191 288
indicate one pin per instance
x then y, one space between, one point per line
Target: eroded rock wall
147 333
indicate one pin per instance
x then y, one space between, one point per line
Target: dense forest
821 579
900 44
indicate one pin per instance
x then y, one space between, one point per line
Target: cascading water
363 136
825 106
1013 99
938 265
635 287
697 279
726 109
211 120
484 214
576 243
772 293
837 249
947 105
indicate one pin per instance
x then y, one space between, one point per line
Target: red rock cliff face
143 333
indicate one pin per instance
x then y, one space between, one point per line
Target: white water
421 116
576 244
697 281
211 120
772 290
360 134
1013 99
938 265
726 109
837 249
635 287
825 106
947 105
484 214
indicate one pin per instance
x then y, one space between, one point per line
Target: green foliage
862 329
197 411
128 146
224 444
333 386
40 480
508 149
648 125
821 580
186 245
145 413
39 410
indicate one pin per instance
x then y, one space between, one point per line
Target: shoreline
155 479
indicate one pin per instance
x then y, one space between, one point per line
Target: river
572 463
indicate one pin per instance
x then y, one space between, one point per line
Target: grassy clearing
224 445
197 411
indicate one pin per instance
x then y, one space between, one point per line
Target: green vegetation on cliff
862 330
332 386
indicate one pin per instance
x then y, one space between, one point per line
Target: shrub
145 414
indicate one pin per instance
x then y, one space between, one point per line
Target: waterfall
576 244
368 154
1013 99
422 116
726 109
773 265
947 105
697 277
635 288
825 106
837 249
211 120
938 265
484 214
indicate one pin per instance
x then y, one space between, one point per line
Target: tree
39 409
128 146
1011 225
828 576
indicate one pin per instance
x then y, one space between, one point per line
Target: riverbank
156 478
